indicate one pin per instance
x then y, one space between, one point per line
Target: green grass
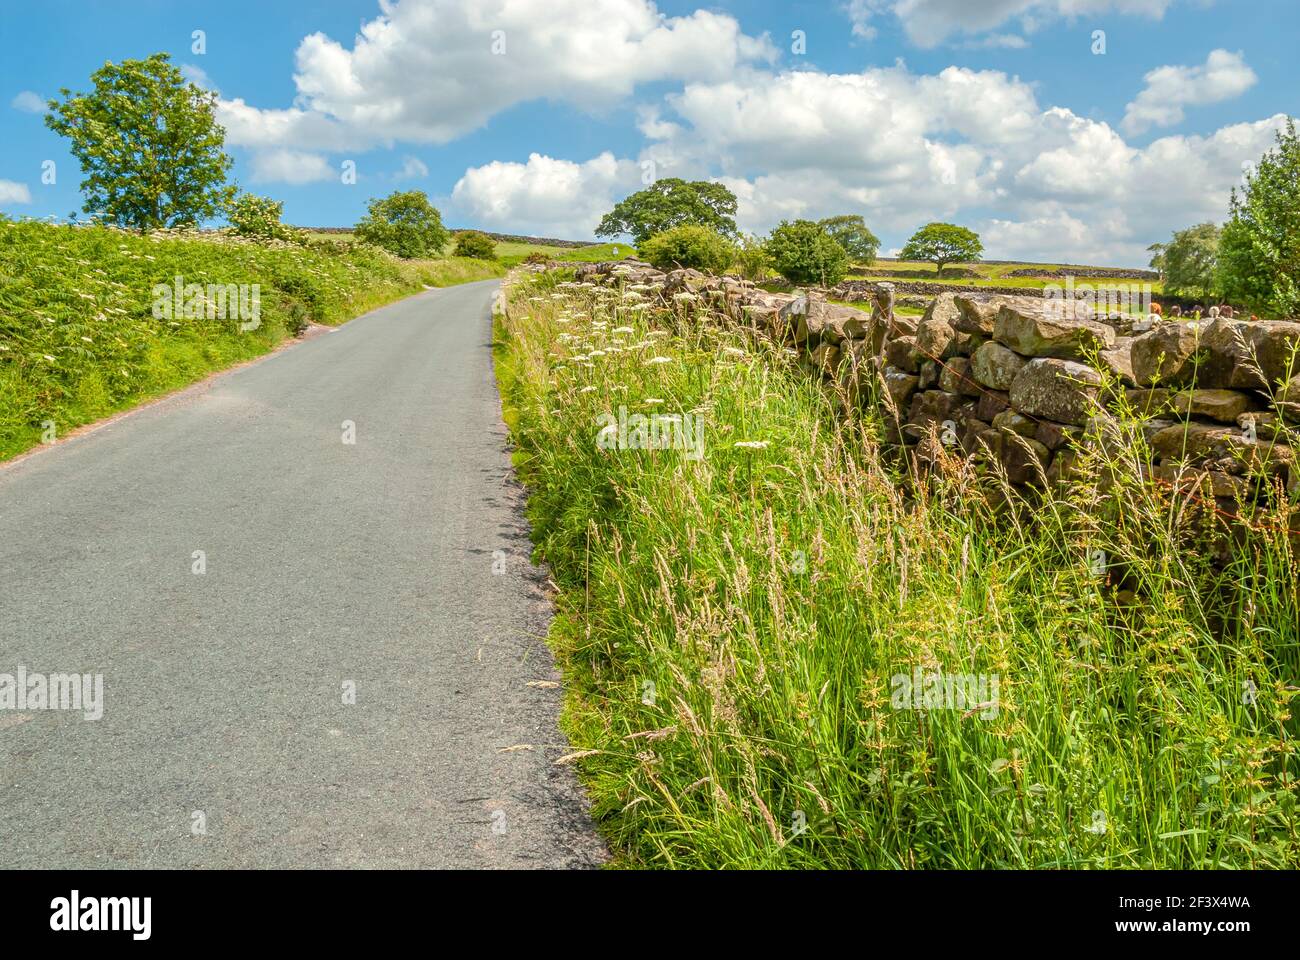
989 275
78 340
511 253
729 629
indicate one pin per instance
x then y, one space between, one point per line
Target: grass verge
79 341
738 632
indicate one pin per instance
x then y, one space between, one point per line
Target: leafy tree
689 245
254 216
1157 251
148 143
942 244
1189 263
752 260
850 232
803 252
1259 252
473 243
671 203
405 224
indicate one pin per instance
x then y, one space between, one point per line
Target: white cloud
545 196
929 23
1051 227
198 76
973 146
413 168
428 71
998 41
860 13
290 166
902 148
29 102
11 192
1168 90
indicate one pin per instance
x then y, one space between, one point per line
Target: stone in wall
955 377
1227 447
935 336
996 366
901 352
977 314
1059 390
901 387
991 403
1052 328
1166 355
1249 354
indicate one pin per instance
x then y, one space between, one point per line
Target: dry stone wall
1023 384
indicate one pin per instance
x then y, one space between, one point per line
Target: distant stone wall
1026 383
854 291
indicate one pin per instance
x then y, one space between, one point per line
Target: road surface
314 653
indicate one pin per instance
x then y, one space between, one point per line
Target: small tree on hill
148 143
1259 252
752 260
803 252
254 216
690 245
850 232
671 203
942 244
405 224
1189 263
473 243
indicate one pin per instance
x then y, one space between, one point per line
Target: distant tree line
675 223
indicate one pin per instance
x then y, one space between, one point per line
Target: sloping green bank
774 657
84 333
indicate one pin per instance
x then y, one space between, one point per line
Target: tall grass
731 628
78 340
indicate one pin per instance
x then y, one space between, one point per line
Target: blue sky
997 114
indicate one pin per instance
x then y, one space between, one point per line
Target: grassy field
79 341
987 275
511 253
737 631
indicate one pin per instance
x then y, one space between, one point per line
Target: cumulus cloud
545 196
1168 90
998 41
903 148
860 13
929 23
413 168
293 167
975 146
11 192
28 102
197 76
428 71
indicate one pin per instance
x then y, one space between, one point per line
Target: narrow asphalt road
356 678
